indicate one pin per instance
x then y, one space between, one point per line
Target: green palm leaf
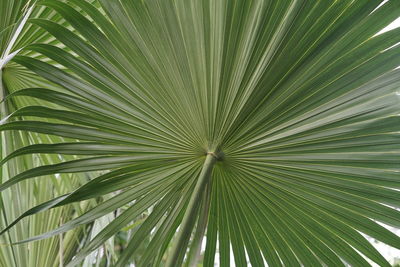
270 127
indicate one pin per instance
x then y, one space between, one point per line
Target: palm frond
270 126
15 33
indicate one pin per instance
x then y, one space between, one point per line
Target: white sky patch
395 24
391 254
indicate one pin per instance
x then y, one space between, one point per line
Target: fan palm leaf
270 127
